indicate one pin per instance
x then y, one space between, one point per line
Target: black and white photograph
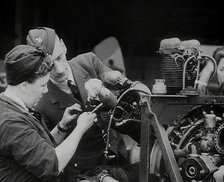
111 91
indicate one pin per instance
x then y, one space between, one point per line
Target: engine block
182 137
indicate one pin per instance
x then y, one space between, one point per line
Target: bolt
202 171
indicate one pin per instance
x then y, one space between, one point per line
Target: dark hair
43 70
218 54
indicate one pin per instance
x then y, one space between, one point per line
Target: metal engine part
219 139
197 140
198 167
181 63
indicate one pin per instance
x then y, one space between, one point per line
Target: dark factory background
138 25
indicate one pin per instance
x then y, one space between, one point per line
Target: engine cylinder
171 73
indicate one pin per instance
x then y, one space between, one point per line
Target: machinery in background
182 132
182 62
195 137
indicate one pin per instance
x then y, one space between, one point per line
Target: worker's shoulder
85 56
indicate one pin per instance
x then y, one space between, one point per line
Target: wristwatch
104 173
61 129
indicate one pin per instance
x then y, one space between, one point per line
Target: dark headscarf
42 38
22 62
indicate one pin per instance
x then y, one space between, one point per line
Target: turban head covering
22 63
42 38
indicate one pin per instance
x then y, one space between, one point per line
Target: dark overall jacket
27 152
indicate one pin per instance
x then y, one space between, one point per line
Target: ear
64 47
24 86
65 50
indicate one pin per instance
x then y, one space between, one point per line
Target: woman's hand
202 89
86 120
69 115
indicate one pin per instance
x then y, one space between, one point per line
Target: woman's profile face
35 90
